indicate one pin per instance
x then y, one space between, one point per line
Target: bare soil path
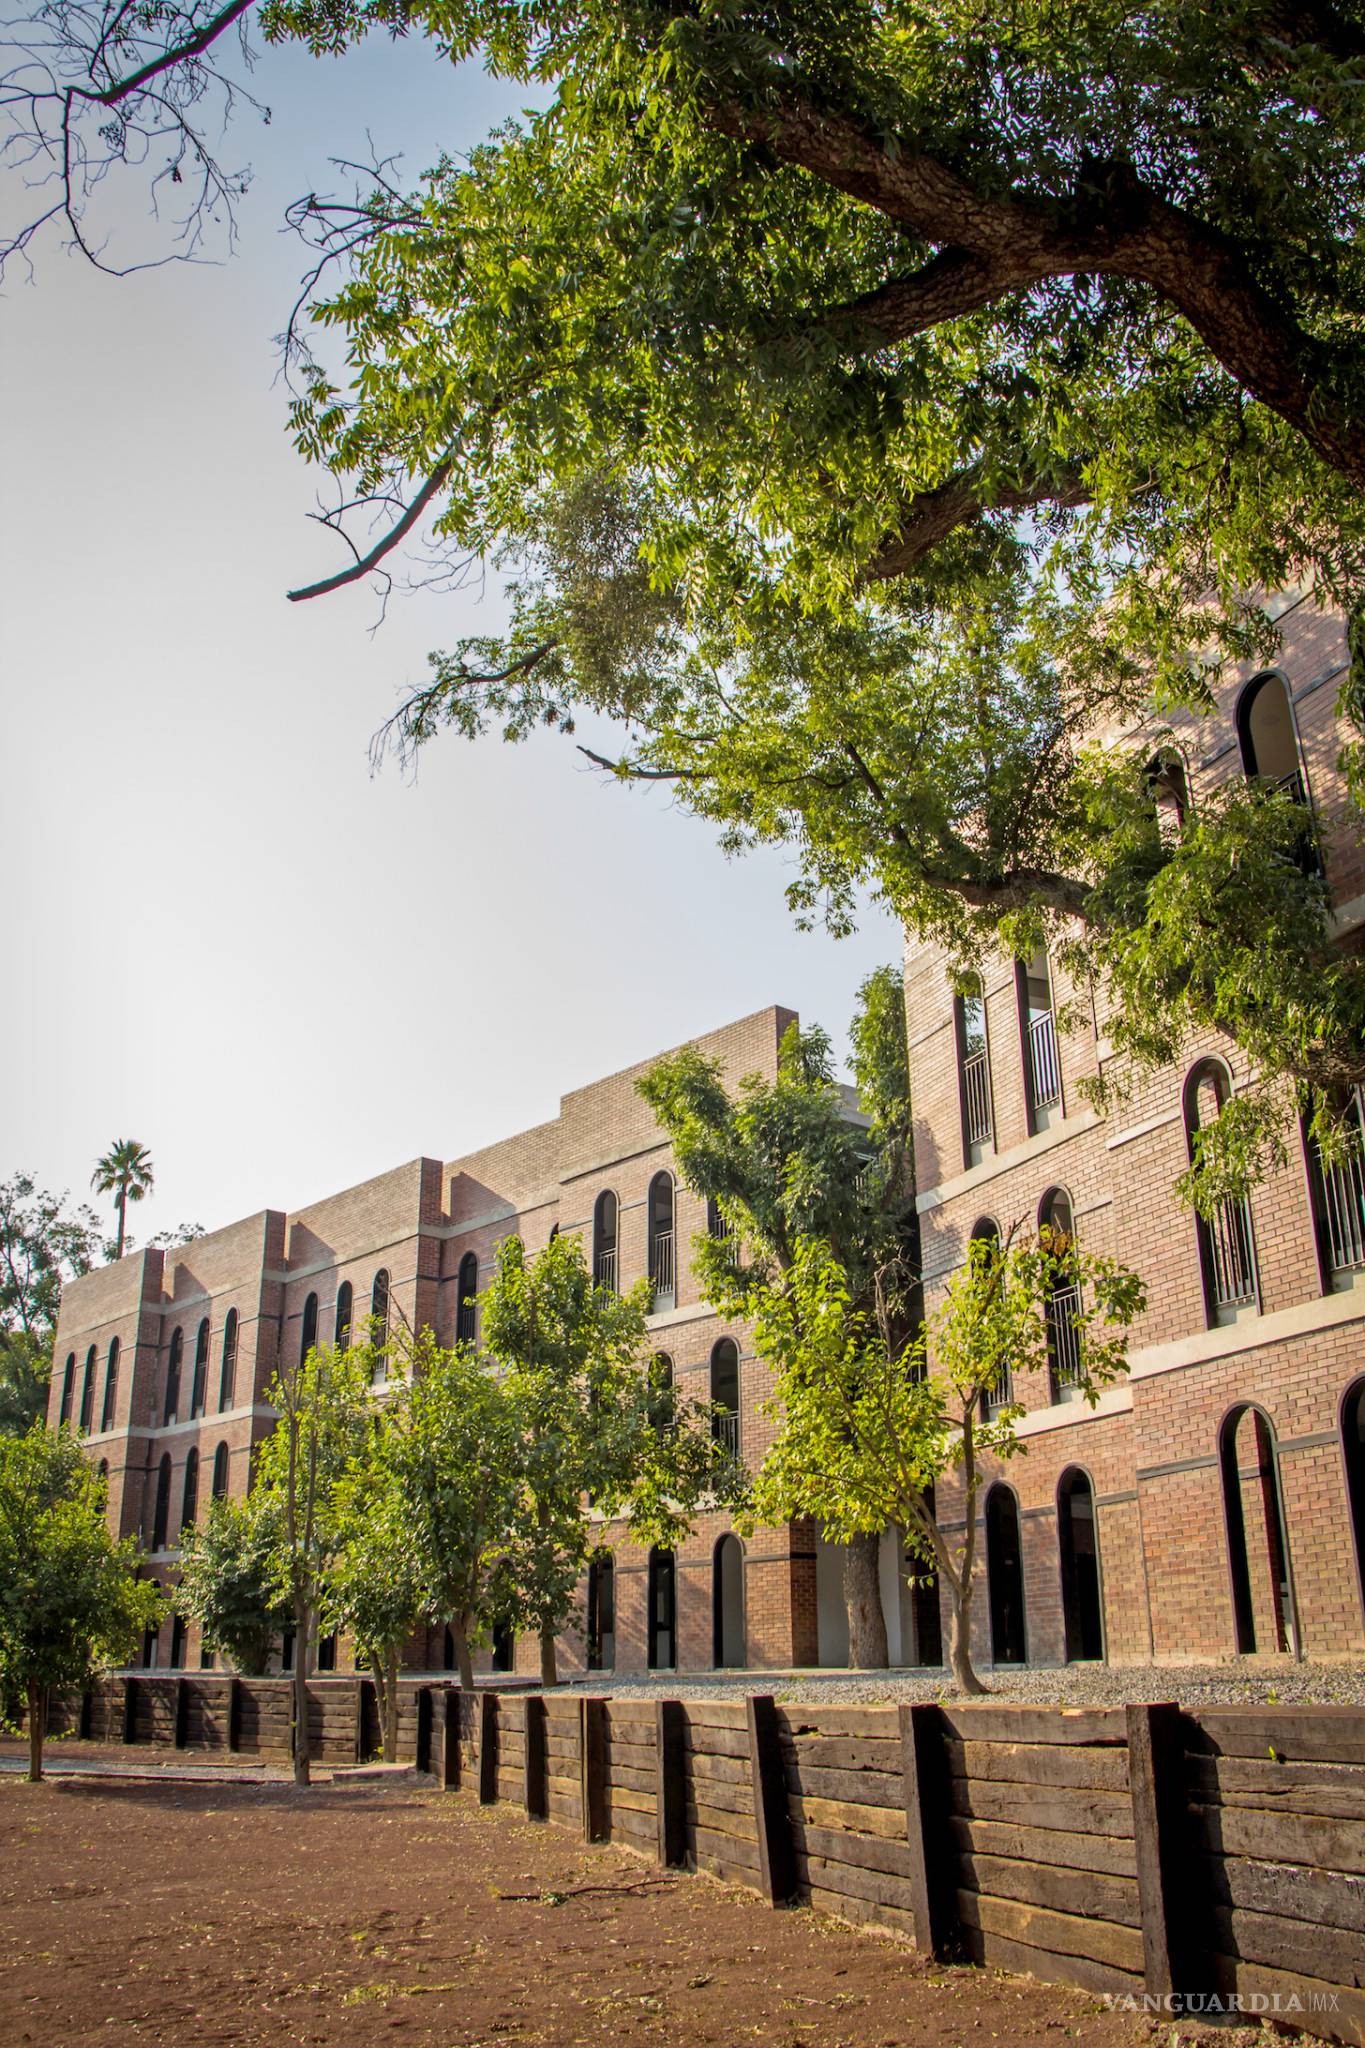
148 1911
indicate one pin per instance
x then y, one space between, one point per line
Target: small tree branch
385 545
932 515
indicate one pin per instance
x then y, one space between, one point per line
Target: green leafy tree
869 1424
374 1586
228 1579
126 1173
324 1409
455 1453
70 1597
789 1163
571 1361
43 1242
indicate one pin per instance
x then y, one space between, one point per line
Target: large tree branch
993 245
930 516
383 546
178 53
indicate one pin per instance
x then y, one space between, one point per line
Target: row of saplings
407 1481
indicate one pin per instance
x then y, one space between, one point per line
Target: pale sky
226 938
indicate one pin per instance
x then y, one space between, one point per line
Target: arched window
718 1224
1042 1065
227 1377
661 1261
1057 1237
973 1073
1338 1193
662 1405
1267 736
177 1643
1227 1251
1263 1610
604 1217
601 1612
345 1302
327 1652
110 1407
1078 1541
1005 1576
379 1324
924 1597
88 1391
727 1604
161 1513
308 1328
1353 1456
221 1462
504 1647
189 1500
983 1247
663 1615
725 1394
68 1388
1169 788
467 1300
199 1392
172 1408
448 1659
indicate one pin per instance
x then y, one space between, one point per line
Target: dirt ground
147 1911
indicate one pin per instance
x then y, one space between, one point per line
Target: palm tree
126 1173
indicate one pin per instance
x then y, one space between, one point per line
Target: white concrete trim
1002 1162
1303 1319
1346 917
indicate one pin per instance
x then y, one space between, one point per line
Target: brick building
1212 1505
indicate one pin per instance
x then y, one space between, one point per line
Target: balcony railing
467 1320
1045 1070
661 1263
725 1429
976 1098
1001 1395
1343 1191
1231 1259
604 1269
1064 1338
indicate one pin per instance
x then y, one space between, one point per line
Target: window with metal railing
1339 1199
1043 1073
1056 1236
466 1300
974 1075
604 1243
662 1271
725 1394
1227 1246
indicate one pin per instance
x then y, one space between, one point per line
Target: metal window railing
1045 1070
604 1269
1001 1394
725 1429
1343 1191
976 1098
467 1320
661 1262
1064 1337
1231 1257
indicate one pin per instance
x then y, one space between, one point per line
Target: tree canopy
871 407
43 1243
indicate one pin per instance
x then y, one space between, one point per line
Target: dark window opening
189 1499
221 1458
1082 1604
172 1407
110 1408
199 1386
924 1598
601 1612
504 1647
974 1075
68 1388
177 1643
467 1300
662 1617
662 1271
1005 1577
662 1402
1062 1308
88 1392
1339 1200
1353 1454
604 1220
345 1312
725 1394
1258 1545
727 1605
327 1652
1227 1253
1042 1064
308 1330
379 1325
227 1378
161 1514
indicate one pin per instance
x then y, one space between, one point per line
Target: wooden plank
635 1781
593 1762
932 1880
884 1821
1075 1726
1335 1791
1163 1841
864 1788
1329 1735
852 1883
1062 1934
1336 1953
840 1752
776 1871
534 1763
859 1912
717 1714
634 1714
670 1793
736 1799
864 1852
1327 1899
708 1741
1001 1953
1328 2010
877 1722
1095 1769
1043 1884
488 1748
722 1770
1074 1812
740 1826
1045 1845
1284 1837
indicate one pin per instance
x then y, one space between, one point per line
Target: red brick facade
1154 1451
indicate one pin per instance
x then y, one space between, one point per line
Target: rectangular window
1339 1201
1042 1068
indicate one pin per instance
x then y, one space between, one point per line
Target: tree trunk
867 1645
37 1728
464 1660
549 1669
122 1220
303 1636
390 1731
960 1639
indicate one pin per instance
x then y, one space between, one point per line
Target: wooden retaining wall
1136 1851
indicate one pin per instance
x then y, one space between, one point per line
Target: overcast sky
226 938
